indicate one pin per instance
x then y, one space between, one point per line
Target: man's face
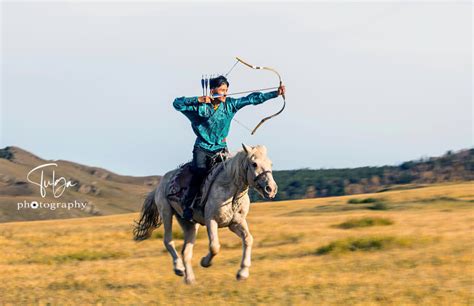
221 91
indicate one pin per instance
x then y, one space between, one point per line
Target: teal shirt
212 126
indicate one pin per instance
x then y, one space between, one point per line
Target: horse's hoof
204 264
189 281
179 272
242 275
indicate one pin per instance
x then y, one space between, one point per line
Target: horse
224 203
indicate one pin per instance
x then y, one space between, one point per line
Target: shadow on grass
380 204
84 255
374 243
177 234
363 222
350 245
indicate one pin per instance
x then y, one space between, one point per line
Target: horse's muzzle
270 191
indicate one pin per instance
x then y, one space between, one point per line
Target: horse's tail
149 219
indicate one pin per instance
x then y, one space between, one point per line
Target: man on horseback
210 118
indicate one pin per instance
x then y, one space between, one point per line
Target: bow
281 82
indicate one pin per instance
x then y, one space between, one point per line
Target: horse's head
259 171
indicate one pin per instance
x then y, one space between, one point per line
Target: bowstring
236 62
240 123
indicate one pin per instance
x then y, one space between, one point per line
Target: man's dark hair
218 81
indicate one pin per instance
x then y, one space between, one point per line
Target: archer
210 118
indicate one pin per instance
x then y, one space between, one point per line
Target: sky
368 83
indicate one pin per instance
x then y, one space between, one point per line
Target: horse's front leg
242 230
214 246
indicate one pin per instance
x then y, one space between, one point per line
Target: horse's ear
247 148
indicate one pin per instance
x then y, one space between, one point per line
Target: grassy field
399 247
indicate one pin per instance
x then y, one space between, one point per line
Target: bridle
261 175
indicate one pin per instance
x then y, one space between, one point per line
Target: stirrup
188 217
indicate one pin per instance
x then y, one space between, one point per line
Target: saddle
179 185
180 182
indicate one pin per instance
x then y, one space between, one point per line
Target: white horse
225 203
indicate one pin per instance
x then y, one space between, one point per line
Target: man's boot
187 209
195 184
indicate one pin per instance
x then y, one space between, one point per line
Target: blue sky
369 83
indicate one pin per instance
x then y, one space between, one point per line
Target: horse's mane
231 167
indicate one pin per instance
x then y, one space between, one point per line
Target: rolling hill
104 192
108 193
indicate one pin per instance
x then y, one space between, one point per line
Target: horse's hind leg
190 232
242 230
178 266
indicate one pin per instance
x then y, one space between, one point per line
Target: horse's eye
254 165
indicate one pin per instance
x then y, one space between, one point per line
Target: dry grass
424 257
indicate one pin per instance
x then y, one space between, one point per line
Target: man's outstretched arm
257 98
254 98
